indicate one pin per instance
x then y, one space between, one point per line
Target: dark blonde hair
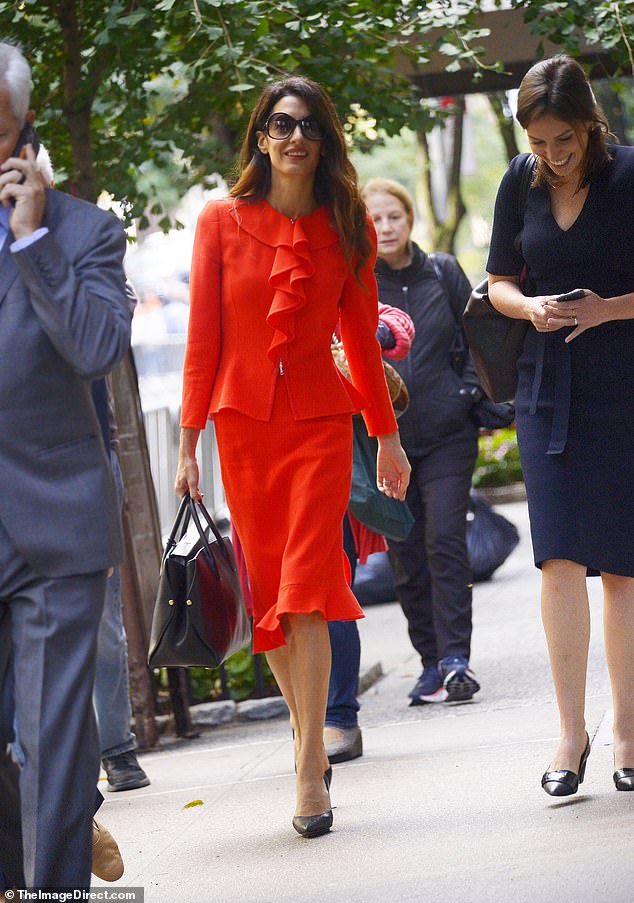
389 186
335 178
558 87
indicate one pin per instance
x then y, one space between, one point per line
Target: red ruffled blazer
266 294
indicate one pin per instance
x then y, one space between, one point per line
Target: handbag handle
183 512
214 529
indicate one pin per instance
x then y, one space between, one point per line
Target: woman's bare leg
302 669
618 622
279 665
566 619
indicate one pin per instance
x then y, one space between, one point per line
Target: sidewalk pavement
444 806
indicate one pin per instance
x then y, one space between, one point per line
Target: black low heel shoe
313 825
563 782
624 779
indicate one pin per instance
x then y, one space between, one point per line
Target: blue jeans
111 694
343 704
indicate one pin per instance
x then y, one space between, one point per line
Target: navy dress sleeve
504 258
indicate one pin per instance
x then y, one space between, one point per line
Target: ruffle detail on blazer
294 243
293 264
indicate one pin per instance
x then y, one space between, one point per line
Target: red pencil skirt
287 484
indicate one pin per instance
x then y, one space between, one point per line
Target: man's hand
28 196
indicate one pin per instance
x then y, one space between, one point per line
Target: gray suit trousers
54 624
11 829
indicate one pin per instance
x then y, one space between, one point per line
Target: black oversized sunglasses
281 125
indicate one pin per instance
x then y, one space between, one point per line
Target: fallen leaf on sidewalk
193 803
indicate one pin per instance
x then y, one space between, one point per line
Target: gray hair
15 73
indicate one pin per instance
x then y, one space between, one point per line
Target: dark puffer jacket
438 412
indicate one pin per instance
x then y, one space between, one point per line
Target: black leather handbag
495 340
200 618
486 413
495 343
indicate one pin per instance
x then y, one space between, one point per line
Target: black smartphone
28 135
572 296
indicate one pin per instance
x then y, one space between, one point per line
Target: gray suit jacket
64 321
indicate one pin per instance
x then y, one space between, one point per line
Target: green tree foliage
124 88
128 85
609 23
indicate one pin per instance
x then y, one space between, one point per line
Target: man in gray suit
64 322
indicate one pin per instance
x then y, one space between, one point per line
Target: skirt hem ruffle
298 598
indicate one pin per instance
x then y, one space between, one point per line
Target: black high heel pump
313 825
624 778
563 782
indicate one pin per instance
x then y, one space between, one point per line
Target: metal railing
160 390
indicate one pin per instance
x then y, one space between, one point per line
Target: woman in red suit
275 267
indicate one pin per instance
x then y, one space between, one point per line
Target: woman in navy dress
575 397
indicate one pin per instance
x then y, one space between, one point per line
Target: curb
498 495
207 715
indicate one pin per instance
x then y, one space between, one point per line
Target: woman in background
432 572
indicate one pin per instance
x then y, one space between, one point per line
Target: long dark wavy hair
335 179
558 87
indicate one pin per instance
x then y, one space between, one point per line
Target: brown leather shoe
107 863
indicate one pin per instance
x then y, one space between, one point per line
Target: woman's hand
392 467
545 314
584 313
187 473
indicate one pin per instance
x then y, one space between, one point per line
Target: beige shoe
107 863
343 744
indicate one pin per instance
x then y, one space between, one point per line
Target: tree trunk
455 204
424 190
504 117
142 534
77 104
443 229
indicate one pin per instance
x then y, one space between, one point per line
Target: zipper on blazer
281 367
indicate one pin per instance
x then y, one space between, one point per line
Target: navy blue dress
575 403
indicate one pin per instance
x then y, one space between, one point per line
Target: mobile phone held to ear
28 135
571 296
